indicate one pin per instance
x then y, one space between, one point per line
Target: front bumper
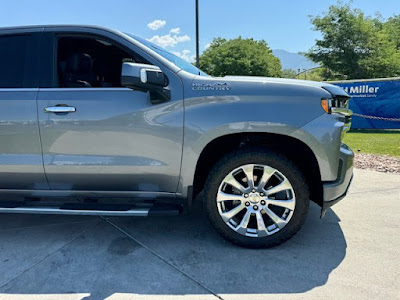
337 190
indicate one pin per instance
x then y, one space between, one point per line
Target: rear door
21 164
107 137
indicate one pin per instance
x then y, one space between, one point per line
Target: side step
95 210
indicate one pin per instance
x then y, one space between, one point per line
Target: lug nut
253 190
247 203
255 207
262 194
246 195
262 202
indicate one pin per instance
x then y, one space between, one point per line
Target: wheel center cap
254 198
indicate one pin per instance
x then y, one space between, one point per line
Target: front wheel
256 198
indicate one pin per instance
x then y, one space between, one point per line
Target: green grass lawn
374 141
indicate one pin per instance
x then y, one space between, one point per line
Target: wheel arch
297 151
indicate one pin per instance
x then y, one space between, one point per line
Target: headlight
339 105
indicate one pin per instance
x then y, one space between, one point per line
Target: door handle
59 109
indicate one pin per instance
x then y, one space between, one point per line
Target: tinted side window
90 62
16 61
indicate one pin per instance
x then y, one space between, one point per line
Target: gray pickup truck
97 122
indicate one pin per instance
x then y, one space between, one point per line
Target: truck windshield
177 61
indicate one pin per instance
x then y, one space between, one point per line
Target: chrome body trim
59 109
347 113
343 111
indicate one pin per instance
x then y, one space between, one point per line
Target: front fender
208 118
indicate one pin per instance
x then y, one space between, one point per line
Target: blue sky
284 24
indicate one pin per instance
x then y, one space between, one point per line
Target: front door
99 136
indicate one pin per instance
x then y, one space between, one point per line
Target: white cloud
176 30
185 54
182 38
207 46
169 40
157 24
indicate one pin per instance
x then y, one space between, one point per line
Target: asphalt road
352 254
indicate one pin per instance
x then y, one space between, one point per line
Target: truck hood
333 89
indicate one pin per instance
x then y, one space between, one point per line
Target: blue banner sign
375 99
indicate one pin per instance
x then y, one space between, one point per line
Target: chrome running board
137 212
155 210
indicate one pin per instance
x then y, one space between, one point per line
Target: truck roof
40 27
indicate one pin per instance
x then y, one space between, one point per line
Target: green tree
318 74
314 75
240 57
289 73
353 45
392 27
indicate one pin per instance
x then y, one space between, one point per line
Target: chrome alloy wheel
256 200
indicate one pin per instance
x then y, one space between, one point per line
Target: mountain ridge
294 61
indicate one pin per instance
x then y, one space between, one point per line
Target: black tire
265 157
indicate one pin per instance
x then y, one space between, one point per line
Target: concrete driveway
352 254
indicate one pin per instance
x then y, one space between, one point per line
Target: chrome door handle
59 109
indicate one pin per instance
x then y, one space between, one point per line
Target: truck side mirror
145 78
140 75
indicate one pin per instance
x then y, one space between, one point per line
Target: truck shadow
104 261
299 265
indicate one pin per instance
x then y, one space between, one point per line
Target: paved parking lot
352 254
